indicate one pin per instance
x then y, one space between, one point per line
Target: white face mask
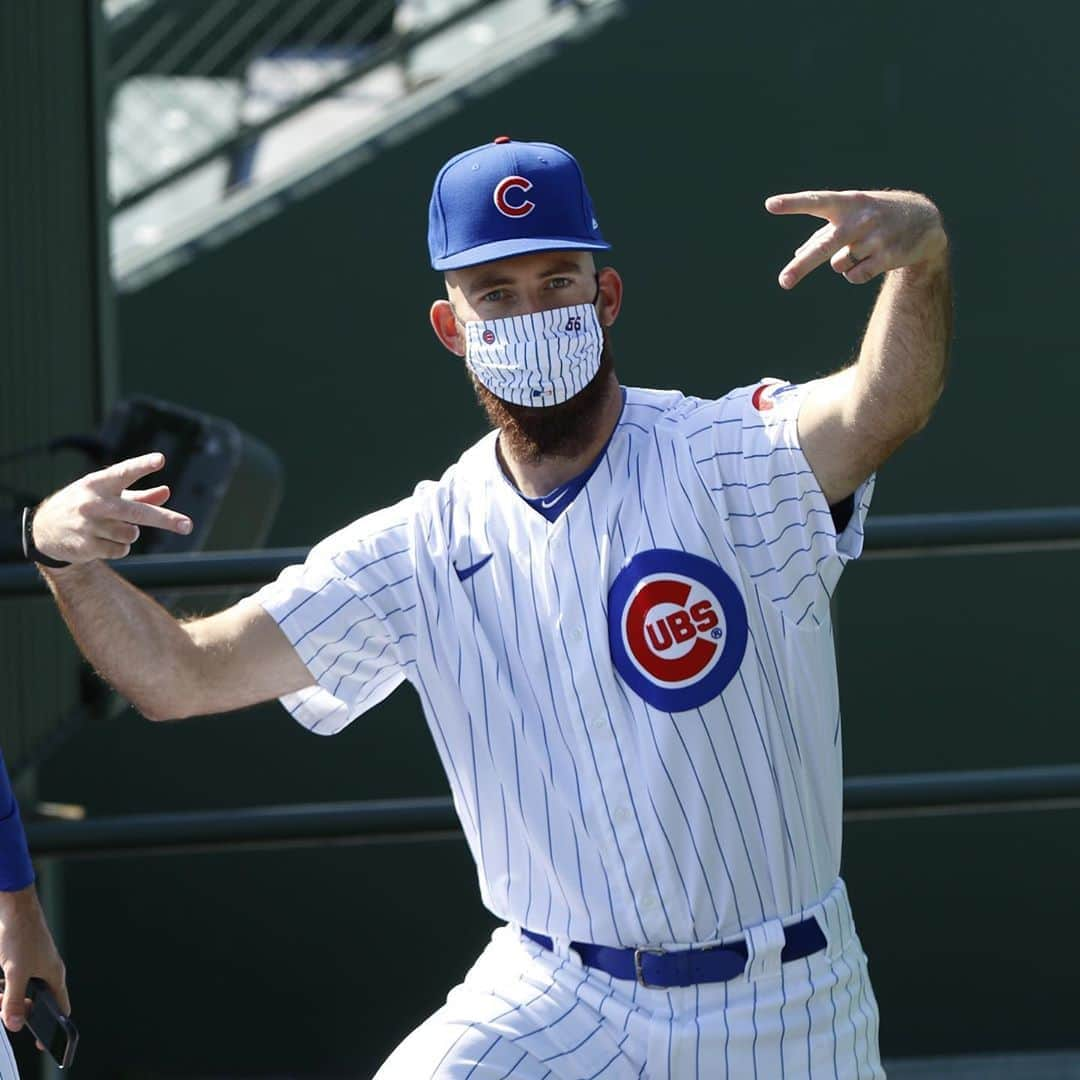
539 359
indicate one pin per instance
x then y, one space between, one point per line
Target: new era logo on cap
509 198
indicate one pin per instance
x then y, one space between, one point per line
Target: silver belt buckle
639 974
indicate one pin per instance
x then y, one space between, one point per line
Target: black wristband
29 549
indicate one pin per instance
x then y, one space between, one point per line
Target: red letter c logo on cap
506 185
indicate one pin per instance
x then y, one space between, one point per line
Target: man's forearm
131 640
901 368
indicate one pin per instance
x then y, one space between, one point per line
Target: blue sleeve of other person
16 870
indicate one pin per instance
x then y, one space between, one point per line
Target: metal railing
990 532
866 798
222 112
353 43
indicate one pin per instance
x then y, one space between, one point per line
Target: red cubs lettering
662 634
659 635
704 616
503 189
678 627
682 629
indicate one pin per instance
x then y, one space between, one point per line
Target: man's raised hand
865 233
99 516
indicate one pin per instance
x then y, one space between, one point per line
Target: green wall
52 330
310 332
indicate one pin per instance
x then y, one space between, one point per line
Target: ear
447 329
611 293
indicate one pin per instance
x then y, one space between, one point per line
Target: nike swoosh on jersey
547 505
464 575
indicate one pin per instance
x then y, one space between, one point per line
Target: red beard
562 430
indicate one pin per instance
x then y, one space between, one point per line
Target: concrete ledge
1056 1065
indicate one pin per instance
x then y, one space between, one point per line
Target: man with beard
615 610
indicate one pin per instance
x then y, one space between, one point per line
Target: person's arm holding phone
27 949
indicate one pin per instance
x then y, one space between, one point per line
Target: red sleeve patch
762 397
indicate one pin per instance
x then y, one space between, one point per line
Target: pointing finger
810 256
823 235
119 532
137 512
821 204
155 496
125 473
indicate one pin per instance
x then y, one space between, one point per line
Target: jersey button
577 634
623 814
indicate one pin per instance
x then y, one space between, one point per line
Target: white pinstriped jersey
8 1068
636 704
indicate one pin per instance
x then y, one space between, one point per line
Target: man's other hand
865 233
99 516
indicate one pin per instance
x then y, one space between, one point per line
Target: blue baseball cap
509 198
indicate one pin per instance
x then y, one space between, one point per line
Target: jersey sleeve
349 610
780 524
16 870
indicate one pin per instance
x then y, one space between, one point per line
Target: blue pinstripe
809 574
791 525
686 820
282 616
763 514
753 1022
596 766
348 600
603 793
798 551
625 774
663 763
510 1072
779 680
753 639
577 778
731 728
753 712
671 849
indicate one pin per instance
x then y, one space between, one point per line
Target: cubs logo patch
517 186
764 397
676 627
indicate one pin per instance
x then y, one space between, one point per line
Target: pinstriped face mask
539 359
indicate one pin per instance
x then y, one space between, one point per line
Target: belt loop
561 947
764 944
832 916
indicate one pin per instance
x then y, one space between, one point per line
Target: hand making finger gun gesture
866 233
100 515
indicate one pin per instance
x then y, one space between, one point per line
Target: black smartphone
56 1032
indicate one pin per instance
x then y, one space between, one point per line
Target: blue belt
710 963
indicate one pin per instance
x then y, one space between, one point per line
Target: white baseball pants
527 1013
8 1069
